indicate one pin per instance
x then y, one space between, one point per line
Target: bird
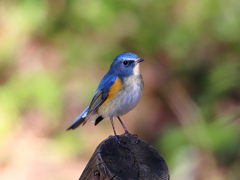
118 92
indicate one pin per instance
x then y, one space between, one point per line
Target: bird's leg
124 127
115 134
111 119
135 136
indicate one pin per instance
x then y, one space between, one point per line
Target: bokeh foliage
53 54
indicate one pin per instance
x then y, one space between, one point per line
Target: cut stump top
133 160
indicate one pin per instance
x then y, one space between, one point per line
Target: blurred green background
53 53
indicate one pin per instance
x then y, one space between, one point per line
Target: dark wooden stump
137 160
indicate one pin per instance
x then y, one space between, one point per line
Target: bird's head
126 64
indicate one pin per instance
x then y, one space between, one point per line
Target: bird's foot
118 141
127 133
132 137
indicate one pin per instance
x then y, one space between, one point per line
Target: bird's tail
79 120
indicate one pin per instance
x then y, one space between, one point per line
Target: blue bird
118 92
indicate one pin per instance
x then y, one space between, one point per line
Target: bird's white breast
126 99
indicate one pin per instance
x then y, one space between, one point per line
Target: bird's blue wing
101 93
99 97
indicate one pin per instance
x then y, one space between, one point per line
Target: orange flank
114 90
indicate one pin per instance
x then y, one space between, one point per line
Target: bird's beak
140 60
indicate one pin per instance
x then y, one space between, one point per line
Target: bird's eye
125 63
